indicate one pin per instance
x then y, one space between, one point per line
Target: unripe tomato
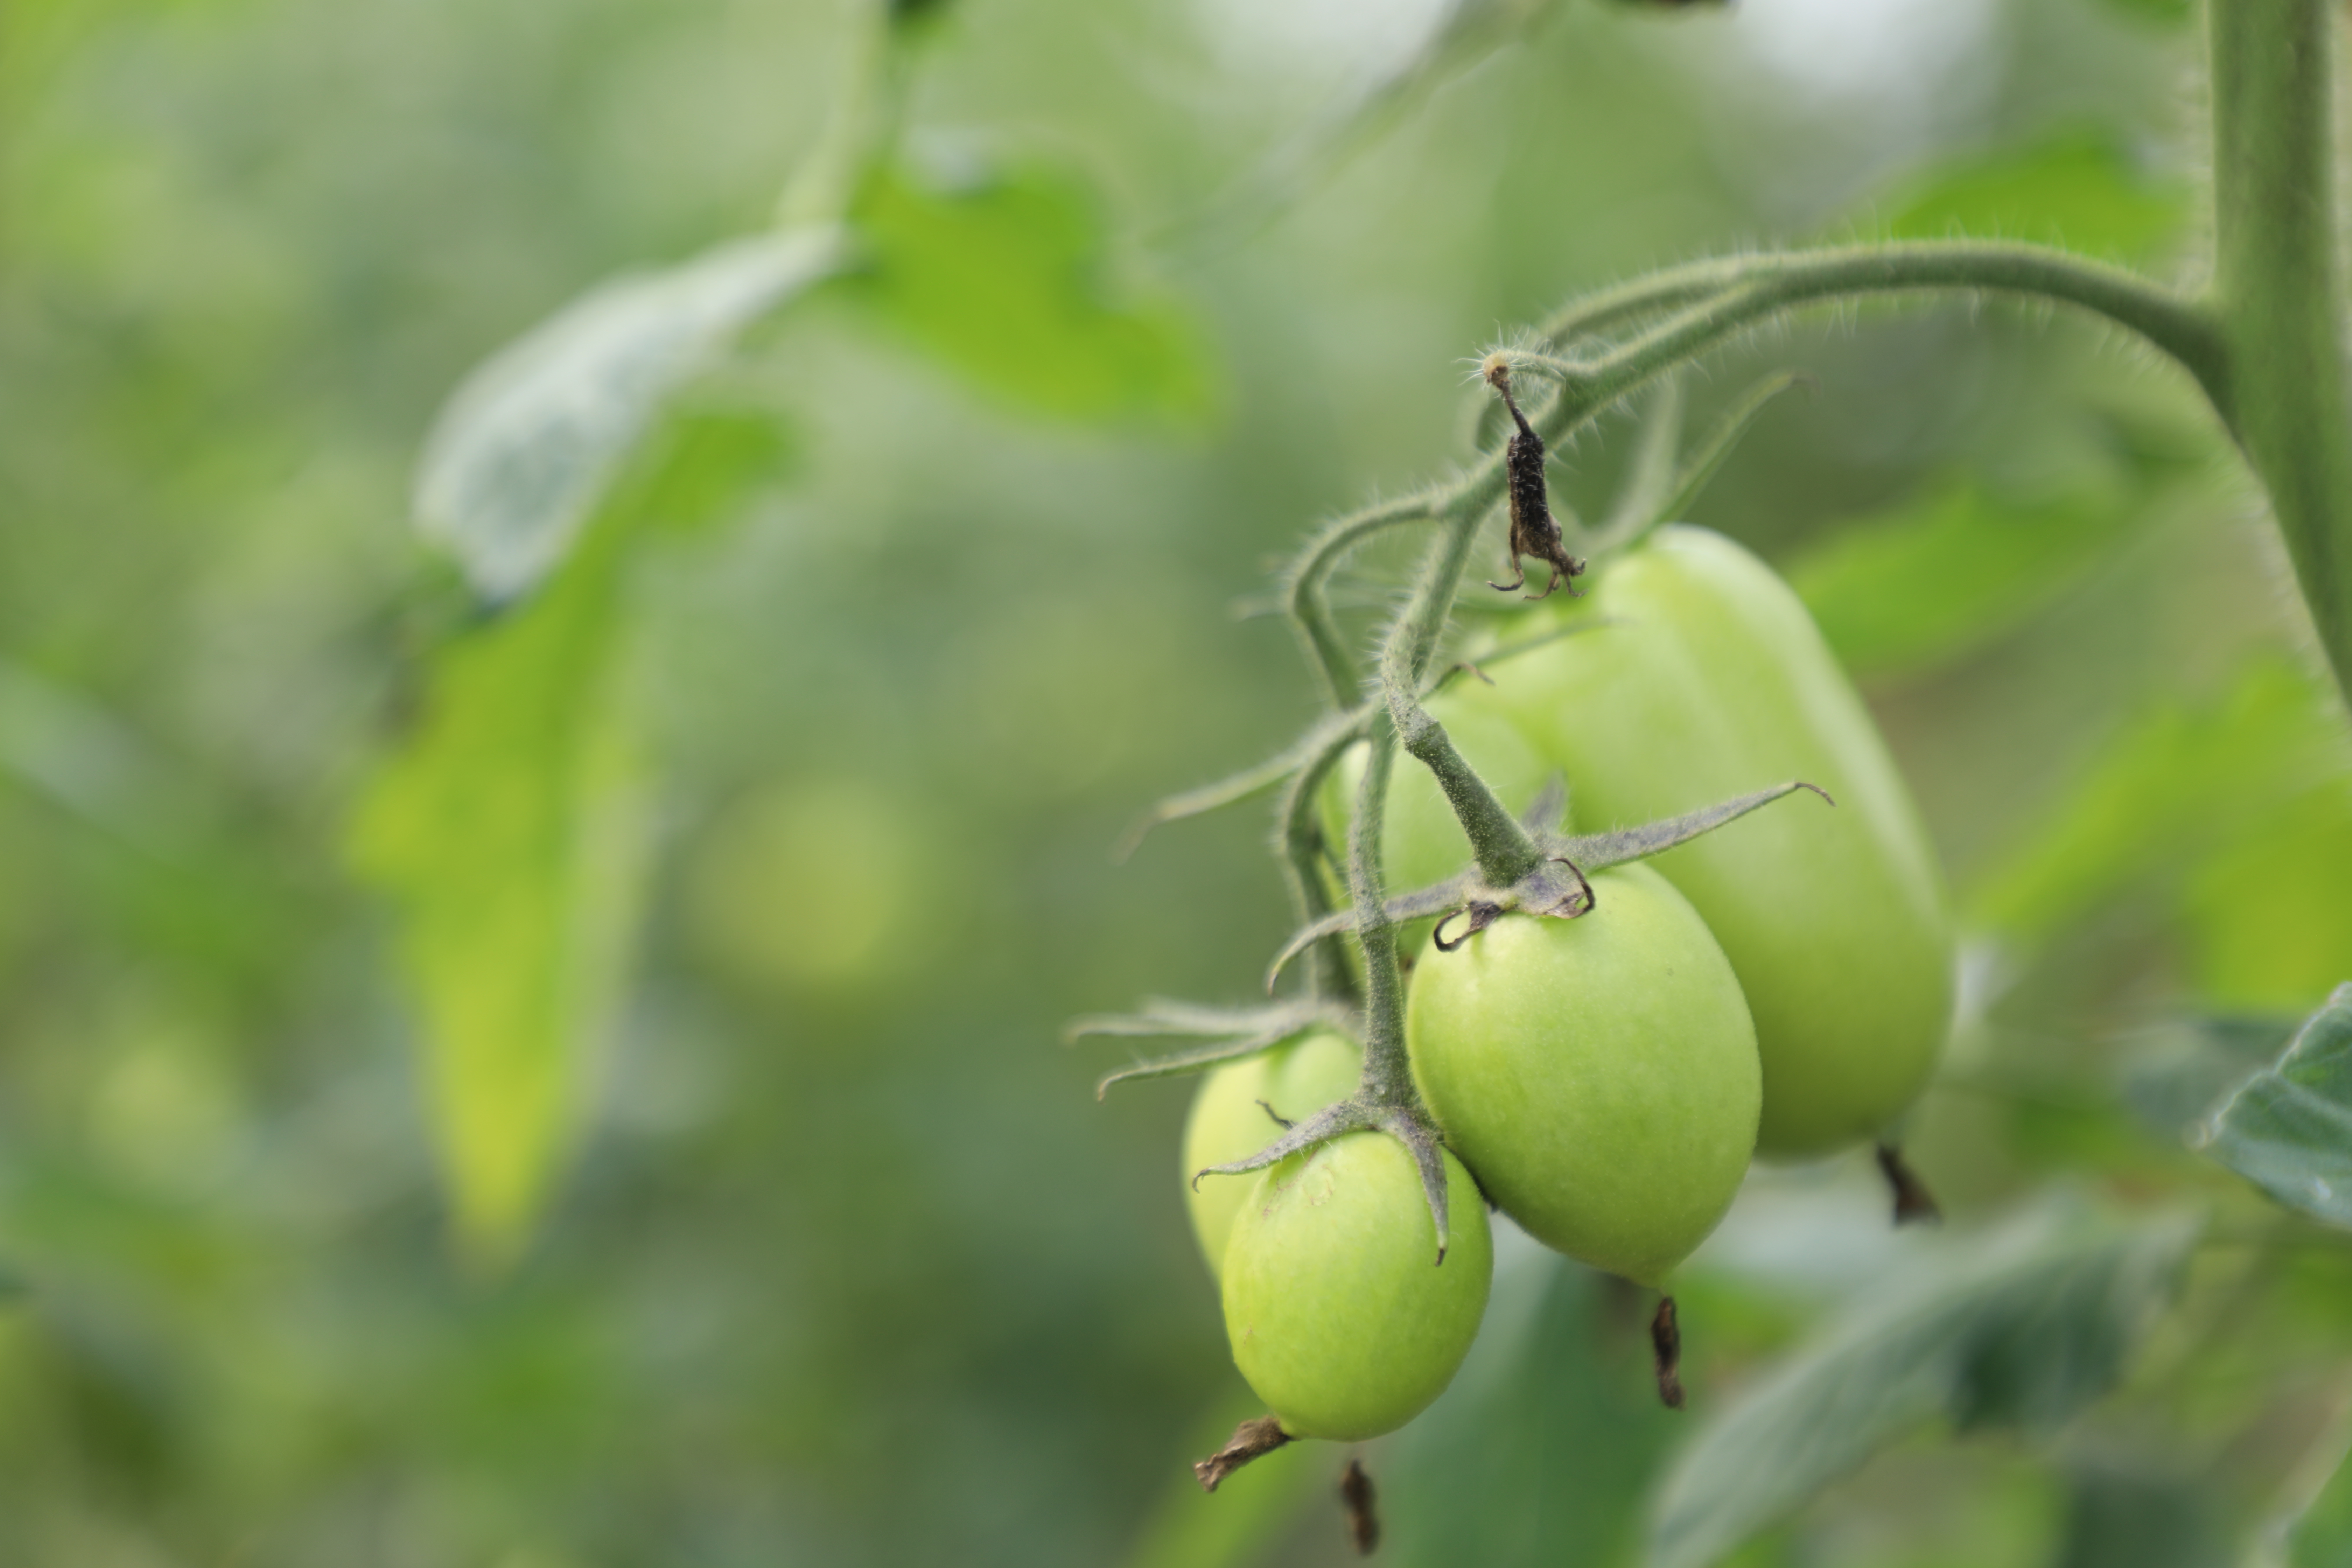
1338 1312
1421 840
1713 681
1227 1123
1599 1074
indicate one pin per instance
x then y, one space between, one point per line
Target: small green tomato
1337 1310
1227 1123
1600 1074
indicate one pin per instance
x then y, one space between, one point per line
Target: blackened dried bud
1666 1343
1534 531
1363 1518
1253 1439
1913 1202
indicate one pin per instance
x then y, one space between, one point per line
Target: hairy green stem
1651 473
1387 1071
1405 655
1300 837
2278 289
1504 850
1310 611
1747 289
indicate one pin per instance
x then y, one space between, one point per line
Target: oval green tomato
1338 1312
1710 681
1227 1123
1599 1074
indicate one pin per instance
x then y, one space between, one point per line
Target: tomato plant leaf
2173 786
2021 1327
2163 13
2288 1129
1002 280
2127 1515
511 832
2321 1536
528 444
2079 191
1952 571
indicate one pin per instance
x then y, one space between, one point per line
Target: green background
849 1267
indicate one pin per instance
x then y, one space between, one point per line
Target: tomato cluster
1779 985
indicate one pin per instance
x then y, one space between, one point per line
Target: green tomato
1338 1312
1227 1123
1712 681
1599 1074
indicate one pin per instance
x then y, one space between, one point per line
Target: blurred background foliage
565 1076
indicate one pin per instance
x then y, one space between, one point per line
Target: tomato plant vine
2264 340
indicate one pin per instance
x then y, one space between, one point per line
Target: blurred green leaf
1952 571
2322 1536
525 448
511 832
2288 1129
2021 1327
2127 1519
1544 1447
2164 12
2179 784
2079 190
2266 915
1003 281
710 457
2170 1076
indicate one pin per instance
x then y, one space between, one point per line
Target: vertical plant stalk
2278 289
1299 837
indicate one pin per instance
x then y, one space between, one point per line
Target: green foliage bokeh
851 1268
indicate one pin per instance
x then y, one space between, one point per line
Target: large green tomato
1227 1123
1421 841
1711 681
1599 1074
1338 1313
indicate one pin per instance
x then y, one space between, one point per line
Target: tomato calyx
1408 1124
1547 890
1232 1033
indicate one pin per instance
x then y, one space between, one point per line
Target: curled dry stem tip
1357 1497
1253 1438
1666 1343
1913 1201
1481 915
1578 903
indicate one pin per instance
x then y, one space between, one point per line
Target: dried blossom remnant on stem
1666 1342
1913 1201
1357 1497
1253 1438
1534 531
